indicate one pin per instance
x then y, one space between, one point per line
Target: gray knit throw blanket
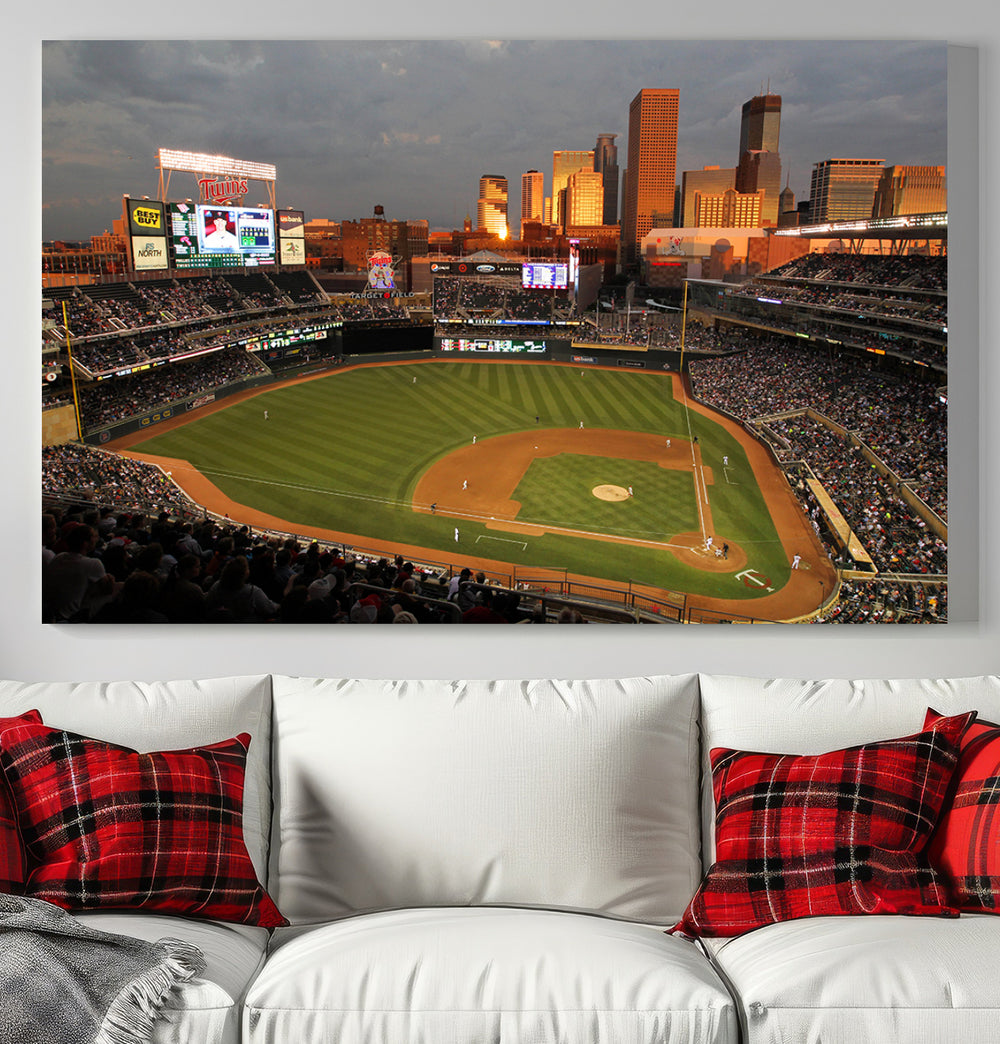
64 983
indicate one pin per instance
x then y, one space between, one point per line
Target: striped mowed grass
345 452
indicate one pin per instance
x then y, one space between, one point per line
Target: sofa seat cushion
484 976
895 980
206 1010
574 795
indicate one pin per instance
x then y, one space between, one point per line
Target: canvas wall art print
494 331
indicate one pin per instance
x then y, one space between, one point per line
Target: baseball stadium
512 440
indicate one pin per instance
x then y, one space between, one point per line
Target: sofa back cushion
794 716
577 795
155 716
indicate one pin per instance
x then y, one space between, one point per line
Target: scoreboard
289 336
490 344
547 276
221 236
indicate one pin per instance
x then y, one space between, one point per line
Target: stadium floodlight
226 166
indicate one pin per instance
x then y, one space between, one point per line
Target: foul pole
72 375
698 472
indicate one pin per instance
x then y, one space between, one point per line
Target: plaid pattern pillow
964 847
12 867
110 828
836 833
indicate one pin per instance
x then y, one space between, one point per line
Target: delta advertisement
475 268
147 225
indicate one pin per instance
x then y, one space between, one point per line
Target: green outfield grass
345 452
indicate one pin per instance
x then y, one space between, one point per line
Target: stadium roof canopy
485 255
904 226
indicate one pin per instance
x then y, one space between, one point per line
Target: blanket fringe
132 1014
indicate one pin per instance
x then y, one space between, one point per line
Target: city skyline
351 125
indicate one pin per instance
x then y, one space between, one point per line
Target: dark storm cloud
413 124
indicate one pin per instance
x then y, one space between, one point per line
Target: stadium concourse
840 373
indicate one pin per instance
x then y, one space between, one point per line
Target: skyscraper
564 163
843 189
759 165
491 212
652 166
584 198
728 209
760 126
532 196
787 211
910 190
606 164
707 181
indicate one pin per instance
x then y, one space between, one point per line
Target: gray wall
969 645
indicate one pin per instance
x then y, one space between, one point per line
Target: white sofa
473 862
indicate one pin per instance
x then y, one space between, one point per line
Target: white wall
970 645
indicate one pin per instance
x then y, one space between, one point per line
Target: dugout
841 531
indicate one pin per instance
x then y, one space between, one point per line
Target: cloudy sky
413 124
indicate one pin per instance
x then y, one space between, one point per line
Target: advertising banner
147 227
149 252
475 268
489 344
291 251
291 223
145 217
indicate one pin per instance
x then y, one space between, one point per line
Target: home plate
610 492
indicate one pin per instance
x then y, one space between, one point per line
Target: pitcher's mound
610 492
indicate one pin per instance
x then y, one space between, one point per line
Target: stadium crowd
875 302
106 402
887 305
147 322
885 601
902 421
80 471
919 271
457 298
896 539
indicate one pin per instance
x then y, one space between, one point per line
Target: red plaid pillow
110 828
836 833
965 847
12 868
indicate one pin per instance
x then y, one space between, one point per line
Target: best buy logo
147 217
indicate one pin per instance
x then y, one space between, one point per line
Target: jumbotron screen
538 276
206 236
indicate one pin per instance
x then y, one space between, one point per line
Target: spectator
75 584
232 599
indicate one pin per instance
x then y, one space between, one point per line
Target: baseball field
609 474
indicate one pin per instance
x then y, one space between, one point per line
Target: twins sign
215 191
381 274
